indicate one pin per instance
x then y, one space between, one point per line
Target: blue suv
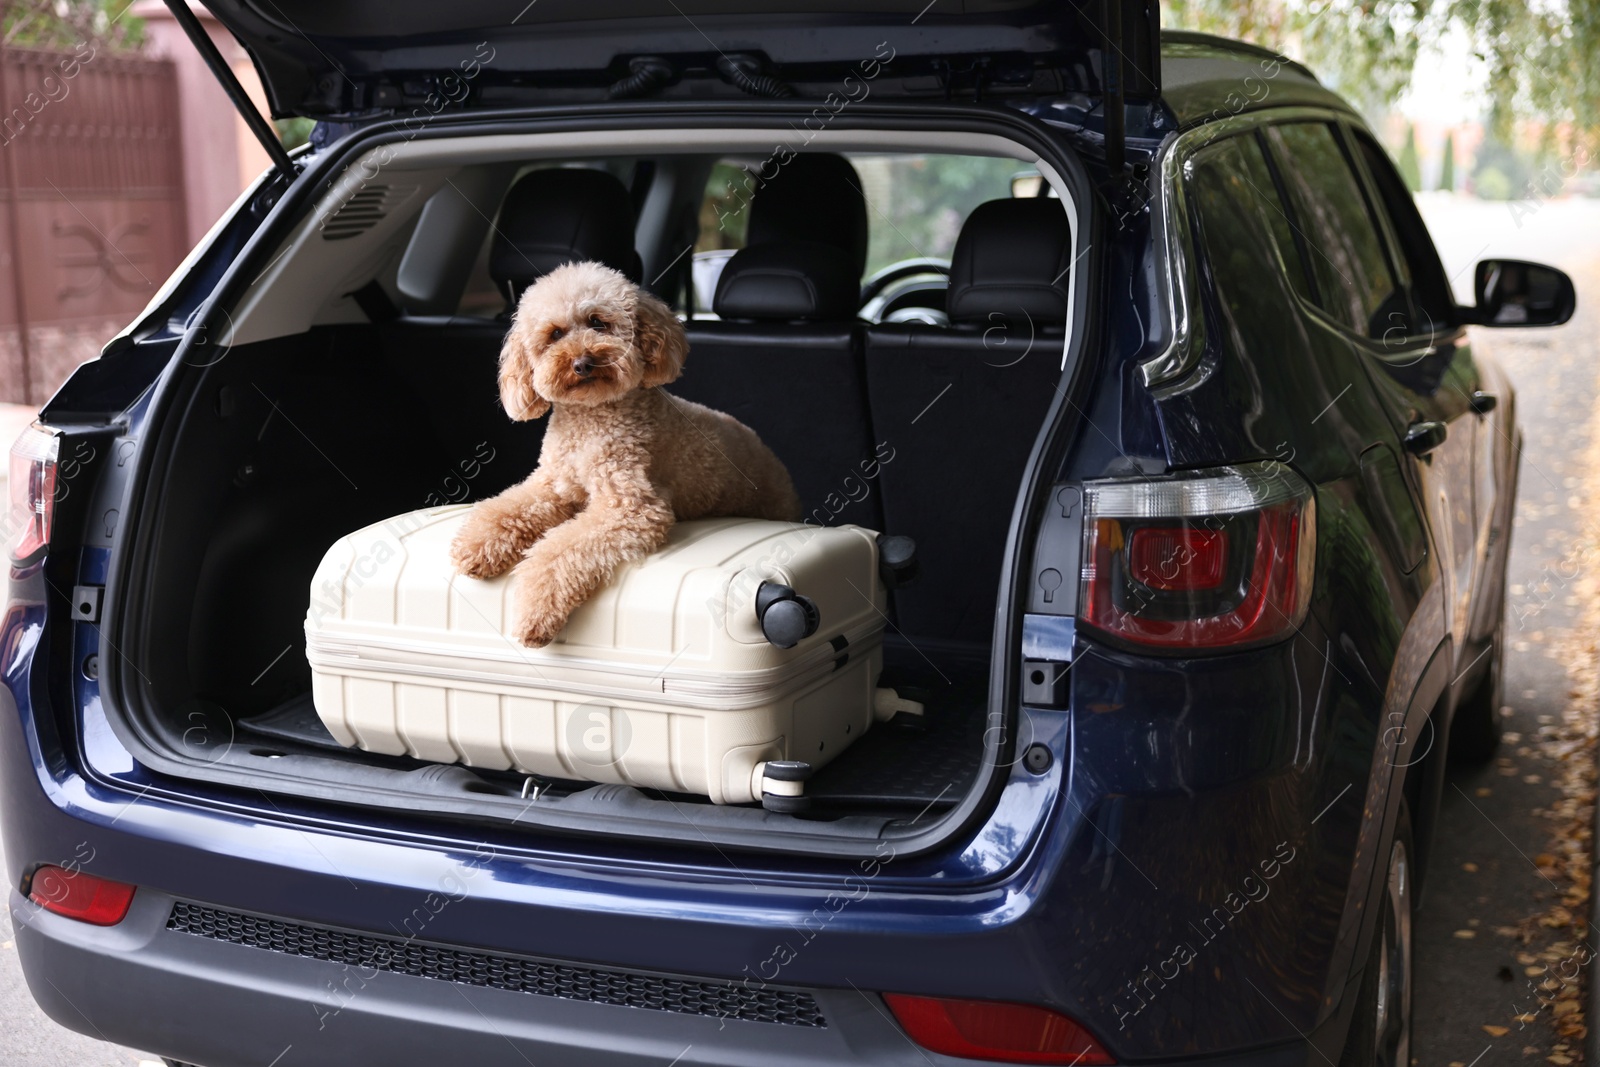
1211 487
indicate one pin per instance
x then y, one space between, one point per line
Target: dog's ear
517 393
662 342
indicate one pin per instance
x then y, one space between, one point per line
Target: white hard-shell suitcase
665 679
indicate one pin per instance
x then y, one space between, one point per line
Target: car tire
1380 1032
1475 730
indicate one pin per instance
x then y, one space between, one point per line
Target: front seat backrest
813 197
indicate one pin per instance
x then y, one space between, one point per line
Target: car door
1419 365
1471 380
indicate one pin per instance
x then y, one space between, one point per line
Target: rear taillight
1200 559
994 1031
97 901
33 491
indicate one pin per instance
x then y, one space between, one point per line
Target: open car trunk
344 395
297 441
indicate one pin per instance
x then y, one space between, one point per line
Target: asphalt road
1479 936
1480 917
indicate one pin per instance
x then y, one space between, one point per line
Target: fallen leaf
1533 972
1496 1031
1466 935
1484 791
1471 867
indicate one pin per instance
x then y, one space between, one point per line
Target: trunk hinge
241 100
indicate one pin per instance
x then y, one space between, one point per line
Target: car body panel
1176 784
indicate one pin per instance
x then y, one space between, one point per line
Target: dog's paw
483 548
537 627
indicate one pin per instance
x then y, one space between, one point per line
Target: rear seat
785 357
549 217
962 405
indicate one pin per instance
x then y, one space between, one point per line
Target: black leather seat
562 215
813 197
549 217
786 361
785 358
961 406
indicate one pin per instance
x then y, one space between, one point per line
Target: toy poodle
622 459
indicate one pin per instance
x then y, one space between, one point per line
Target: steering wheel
875 285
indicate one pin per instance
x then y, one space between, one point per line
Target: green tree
65 24
1447 168
1410 167
1539 57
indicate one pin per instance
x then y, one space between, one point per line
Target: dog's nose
583 366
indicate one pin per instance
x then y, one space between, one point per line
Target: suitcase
731 663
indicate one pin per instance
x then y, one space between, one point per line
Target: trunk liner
921 762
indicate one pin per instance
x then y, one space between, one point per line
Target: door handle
1425 436
1482 402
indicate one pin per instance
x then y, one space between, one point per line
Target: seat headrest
557 216
1012 260
797 280
813 197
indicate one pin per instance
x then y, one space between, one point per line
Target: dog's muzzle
583 366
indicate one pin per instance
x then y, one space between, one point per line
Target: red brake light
1199 560
97 901
1177 558
994 1031
33 491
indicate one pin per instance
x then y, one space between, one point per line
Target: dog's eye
557 333
597 323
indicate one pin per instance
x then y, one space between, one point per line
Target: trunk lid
346 60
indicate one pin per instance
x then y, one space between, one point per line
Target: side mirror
1513 292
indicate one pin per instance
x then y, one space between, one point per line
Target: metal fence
91 205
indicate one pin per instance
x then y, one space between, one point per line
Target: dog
622 459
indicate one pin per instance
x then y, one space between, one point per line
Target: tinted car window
1292 244
1430 290
1246 239
1354 283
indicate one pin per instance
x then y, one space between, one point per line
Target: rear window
916 203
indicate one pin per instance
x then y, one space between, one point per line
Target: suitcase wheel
897 560
786 617
783 785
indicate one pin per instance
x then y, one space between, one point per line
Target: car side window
1432 306
1269 198
1355 283
1246 240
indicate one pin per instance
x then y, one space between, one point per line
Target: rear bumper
209 1002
